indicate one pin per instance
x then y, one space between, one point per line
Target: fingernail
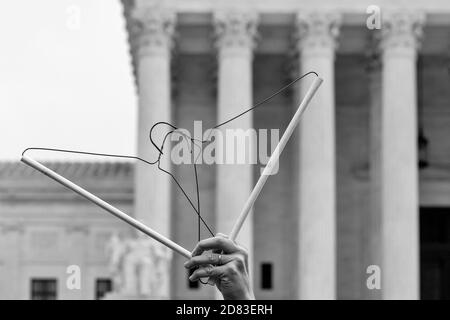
186 264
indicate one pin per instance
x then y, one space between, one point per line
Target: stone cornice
12 227
235 29
18 170
109 181
288 6
82 229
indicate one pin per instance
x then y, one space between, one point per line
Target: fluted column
152 33
154 30
235 42
372 218
401 32
317 230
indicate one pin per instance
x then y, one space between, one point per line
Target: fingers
241 248
216 243
219 235
211 258
208 271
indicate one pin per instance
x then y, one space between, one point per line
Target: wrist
244 295
250 296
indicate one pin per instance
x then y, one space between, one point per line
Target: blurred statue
129 271
139 267
115 250
161 257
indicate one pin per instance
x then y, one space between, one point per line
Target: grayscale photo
224 150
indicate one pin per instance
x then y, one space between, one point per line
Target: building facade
363 185
46 229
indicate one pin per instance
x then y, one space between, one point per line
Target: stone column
76 244
371 227
11 265
399 164
235 42
317 185
153 30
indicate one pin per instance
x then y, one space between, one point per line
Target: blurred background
359 208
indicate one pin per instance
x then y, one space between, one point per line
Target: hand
226 266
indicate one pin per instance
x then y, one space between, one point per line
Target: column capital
317 32
152 30
402 30
235 31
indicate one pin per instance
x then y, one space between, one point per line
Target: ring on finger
219 260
